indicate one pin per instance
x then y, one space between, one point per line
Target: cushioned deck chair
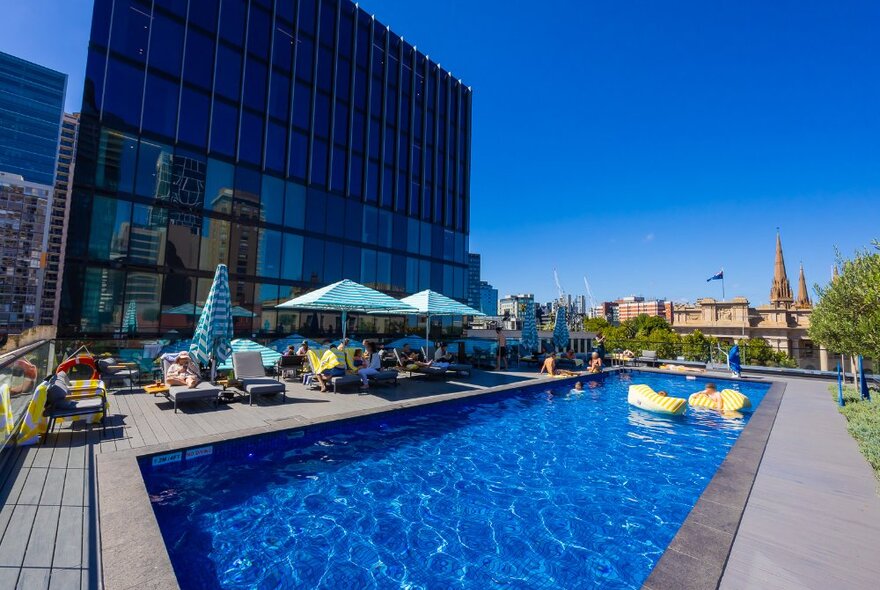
249 370
337 383
184 393
68 399
411 367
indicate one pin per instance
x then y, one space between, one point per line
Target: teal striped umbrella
190 309
211 341
130 321
430 303
347 296
530 327
270 357
560 330
281 344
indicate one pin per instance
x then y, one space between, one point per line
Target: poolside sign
165 459
199 452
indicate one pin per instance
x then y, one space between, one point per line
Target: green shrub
863 422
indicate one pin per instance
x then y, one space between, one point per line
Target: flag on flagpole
716 277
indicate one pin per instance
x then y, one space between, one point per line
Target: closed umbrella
530 329
346 296
560 330
211 341
270 357
430 303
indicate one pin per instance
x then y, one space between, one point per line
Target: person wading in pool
712 393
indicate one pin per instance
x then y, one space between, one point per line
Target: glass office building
31 106
297 141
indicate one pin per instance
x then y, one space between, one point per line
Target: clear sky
643 144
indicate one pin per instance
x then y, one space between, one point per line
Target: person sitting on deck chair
303 350
374 366
442 355
183 372
550 366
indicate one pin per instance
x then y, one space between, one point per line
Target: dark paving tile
702 542
15 539
33 485
717 516
69 543
41 544
66 579
53 487
33 579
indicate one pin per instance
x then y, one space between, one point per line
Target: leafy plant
862 422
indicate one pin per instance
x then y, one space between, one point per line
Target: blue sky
643 144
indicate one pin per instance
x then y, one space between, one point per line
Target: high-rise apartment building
23 220
31 106
516 305
488 299
633 306
58 220
474 278
298 142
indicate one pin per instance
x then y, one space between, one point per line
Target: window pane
194 109
250 140
124 86
291 257
198 64
295 205
313 261
282 52
147 239
383 271
368 267
219 185
316 210
178 291
333 252
215 244
115 168
246 204
131 30
161 115
384 229
371 222
322 115
228 82
223 126
305 55
307 14
272 197
351 263
167 47
325 68
102 300
255 82
153 169
279 96
259 32
302 103
264 307
111 219
319 162
232 19
269 256
299 154
142 292
182 250
354 220
337 180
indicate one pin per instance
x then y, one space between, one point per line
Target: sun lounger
429 370
648 357
184 393
249 370
64 399
337 383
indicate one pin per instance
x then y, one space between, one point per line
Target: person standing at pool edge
502 350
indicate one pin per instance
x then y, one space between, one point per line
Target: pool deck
811 514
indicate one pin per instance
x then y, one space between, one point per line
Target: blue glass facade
31 106
298 141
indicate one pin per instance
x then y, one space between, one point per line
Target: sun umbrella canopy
530 328
346 296
296 340
560 330
431 303
414 341
211 340
270 357
190 309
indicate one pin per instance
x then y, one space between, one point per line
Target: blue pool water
535 488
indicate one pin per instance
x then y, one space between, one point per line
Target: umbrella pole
427 337
344 322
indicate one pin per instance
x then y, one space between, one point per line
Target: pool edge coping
132 549
697 555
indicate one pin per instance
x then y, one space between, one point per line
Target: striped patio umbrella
130 321
430 303
190 309
346 296
560 330
270 357
211 341
530 328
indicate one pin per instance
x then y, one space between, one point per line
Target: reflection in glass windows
214 244
147 238
142 293
111 224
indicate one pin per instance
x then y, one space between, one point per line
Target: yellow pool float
642 396
733 401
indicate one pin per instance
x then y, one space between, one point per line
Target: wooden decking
49 533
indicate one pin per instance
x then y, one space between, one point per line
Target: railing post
840 401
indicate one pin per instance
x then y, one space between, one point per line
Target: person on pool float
595 363
550 366
712 393
662 393
183 372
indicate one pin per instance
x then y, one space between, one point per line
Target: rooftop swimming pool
530 488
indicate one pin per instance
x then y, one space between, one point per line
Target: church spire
803 298
780 291
834 273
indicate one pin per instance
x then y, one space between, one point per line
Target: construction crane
558 285
590 295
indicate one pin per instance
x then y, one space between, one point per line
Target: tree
846 318
695 346
596 324
647 324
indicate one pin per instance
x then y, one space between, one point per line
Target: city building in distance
23 222
783 323
488 299
31 107
474 277
58 216
299 146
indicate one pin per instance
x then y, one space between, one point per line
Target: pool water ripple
530 489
